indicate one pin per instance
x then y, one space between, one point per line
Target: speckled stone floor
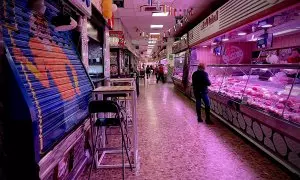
173 146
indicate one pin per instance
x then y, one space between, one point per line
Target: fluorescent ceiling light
253 38
242 33
153 39
151 42
225 39
213 43
204 46
285 31
266 25
154 33
150 45
156 26
160 14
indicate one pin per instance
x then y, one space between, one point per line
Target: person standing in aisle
200 82
148 71
160 74
151 69
156 71
295 56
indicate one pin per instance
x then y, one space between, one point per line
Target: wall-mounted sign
183 44
116 38
84 6
226 18
233 55
210 20
206 28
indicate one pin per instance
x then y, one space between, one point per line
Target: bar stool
121 99
107 106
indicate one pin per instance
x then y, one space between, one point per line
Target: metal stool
107 106
121 99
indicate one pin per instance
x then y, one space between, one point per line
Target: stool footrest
107 122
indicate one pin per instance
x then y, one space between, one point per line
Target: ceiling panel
133 19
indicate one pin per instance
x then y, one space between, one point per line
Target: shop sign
210 20
116 38
206 28
84 6
233 55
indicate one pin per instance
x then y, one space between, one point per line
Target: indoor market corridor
174 146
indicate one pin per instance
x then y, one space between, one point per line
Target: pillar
84 43
106 53
170 58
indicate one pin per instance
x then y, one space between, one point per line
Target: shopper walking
152 69
148 71
200 83
160 74
156 71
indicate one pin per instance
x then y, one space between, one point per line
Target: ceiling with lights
148 20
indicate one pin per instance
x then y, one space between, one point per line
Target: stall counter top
114 88
122 79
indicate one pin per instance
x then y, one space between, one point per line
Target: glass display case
178 65
272 89
192 69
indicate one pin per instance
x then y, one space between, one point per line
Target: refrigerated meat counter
262 103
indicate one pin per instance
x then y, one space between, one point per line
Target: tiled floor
173 146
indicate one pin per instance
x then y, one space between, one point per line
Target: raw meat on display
266 96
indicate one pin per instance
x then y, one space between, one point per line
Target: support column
170 58
106 52
84 43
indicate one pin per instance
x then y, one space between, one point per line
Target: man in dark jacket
200 83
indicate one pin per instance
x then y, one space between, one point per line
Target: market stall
253 64
116 42
179 64
95 29
261 102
